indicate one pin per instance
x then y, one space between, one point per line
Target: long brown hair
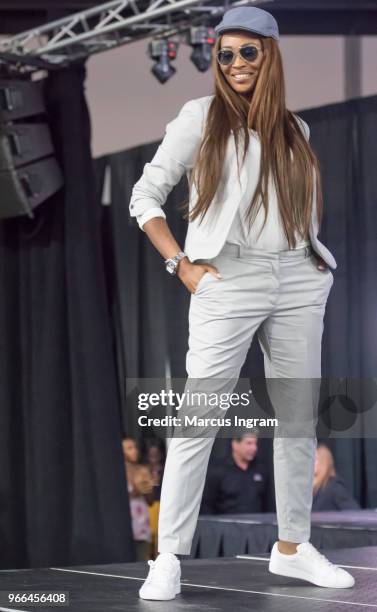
279 134
325 467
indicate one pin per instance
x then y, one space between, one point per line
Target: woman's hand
191 273
321 264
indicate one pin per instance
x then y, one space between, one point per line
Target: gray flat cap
249 18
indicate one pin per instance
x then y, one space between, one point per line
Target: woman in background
140 491
329 489
155 459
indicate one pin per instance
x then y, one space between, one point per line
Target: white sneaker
163 580
308 564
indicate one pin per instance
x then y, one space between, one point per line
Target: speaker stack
29 171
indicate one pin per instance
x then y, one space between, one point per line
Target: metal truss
106 26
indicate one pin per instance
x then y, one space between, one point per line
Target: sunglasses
225 57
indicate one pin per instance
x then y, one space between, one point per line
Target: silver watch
172 263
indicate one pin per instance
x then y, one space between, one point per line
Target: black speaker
19 99
29 171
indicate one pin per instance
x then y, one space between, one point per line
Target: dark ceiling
294 16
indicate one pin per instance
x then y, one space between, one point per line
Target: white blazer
175 156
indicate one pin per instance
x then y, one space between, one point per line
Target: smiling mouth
241 76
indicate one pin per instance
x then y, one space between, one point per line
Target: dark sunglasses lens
249 53
225 57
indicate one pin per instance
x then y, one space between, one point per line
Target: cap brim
229 28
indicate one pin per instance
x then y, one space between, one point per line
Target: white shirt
272 237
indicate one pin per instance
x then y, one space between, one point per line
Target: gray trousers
282 296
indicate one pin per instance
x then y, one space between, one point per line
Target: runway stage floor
241 583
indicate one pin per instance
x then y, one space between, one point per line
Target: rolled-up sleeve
174 156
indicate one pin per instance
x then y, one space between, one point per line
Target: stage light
202 39
164 51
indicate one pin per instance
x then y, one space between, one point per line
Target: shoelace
315 554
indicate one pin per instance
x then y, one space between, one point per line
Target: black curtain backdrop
63 497
151 309
343 136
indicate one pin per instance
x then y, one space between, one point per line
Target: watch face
170 267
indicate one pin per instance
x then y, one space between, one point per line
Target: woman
249 267
329 490
155 459
140 491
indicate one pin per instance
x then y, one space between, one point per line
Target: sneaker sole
303 576
176 591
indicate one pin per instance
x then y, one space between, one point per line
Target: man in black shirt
237 484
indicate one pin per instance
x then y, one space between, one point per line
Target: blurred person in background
155 459
239 483
329 490
140 490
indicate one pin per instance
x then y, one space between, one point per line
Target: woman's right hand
191 273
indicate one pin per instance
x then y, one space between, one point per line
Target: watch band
171 263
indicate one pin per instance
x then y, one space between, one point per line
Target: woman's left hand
321 264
